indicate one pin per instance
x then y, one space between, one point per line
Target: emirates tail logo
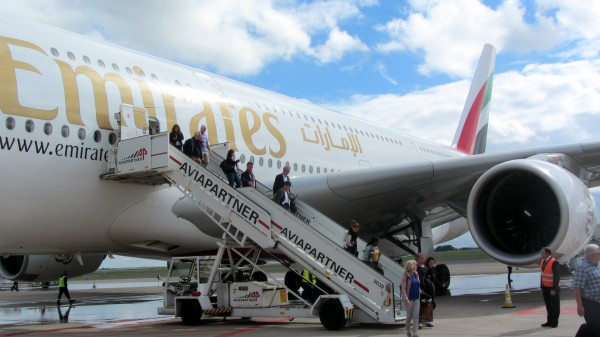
138 155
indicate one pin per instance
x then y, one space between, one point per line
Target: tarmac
115 309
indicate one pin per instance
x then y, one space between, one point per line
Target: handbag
426 311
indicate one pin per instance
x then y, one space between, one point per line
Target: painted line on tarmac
237 332
567 310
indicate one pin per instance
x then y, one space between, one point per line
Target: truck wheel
332 315
259 276
191 313
292 280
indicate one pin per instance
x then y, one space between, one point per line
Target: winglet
471 134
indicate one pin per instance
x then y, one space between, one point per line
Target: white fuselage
58 96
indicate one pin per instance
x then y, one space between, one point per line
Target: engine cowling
518 207
41 268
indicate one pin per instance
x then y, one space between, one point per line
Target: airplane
59 92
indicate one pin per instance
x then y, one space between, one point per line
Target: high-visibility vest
547 275
61 281
376 254
308 277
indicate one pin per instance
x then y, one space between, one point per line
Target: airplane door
127 118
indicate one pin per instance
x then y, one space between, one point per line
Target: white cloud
449 33
338 44
580 17
542 104
233 37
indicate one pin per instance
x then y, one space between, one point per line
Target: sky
403 64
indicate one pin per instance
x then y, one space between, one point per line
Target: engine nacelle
518 207
41 268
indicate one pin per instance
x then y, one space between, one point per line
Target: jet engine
41 268
518 207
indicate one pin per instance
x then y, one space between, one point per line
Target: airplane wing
521 200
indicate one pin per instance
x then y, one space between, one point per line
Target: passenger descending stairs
251 218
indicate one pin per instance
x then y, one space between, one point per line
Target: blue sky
404 64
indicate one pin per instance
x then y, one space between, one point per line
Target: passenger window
54 52
295 167
29 125
81 133
10 123
115 67
318 169
251 159
112 138
86 59
310 169
270 162
48 128
242 158
279 164
64 131
325 170
303 167
261 161
101 64
71 56
97 136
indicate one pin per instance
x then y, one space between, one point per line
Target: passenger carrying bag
426 311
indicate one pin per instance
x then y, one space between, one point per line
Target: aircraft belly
149 224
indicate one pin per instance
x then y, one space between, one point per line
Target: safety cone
507 300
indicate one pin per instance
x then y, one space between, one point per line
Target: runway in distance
59 92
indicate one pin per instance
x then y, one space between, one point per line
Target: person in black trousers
550 284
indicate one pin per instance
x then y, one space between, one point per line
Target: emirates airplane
59 92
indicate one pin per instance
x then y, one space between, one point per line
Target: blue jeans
233 177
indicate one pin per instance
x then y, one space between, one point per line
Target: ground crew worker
309 286
550 284
63 289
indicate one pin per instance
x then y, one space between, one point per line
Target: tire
259 276
292 280
331 315
191 313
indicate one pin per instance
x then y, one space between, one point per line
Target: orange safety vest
547 276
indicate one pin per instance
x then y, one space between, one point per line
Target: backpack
227 167
188 146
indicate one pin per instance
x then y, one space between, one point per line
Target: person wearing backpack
193 148
351 238
229 166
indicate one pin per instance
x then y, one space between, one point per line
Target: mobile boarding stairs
249 219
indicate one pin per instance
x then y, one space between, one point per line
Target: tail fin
471 134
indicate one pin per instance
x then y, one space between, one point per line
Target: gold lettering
147 99
229 134
169 102
276 134
9 96
100 96
211 126
249 131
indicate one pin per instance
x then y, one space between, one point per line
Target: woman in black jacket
176 137
229 167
